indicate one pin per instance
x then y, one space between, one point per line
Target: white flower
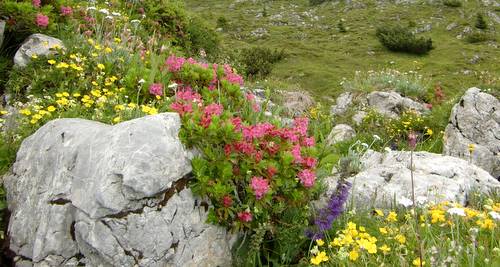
172 86
494 215
421 200
91 8
141 81
315 250
104 11
387 149
376 137
365 145
135 21
456 211
405 202
109 17
116 14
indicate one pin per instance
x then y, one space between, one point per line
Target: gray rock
475 59
475 119
2 31
451 26
343 102
392 104
36 44
358 117
385 177
296 103
339 133
113 195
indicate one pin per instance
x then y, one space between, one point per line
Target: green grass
319 56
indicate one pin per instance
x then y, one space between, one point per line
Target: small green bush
400 39
222 22
452 3
341 26
478 37
481 22
259 61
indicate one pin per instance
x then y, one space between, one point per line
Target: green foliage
479 37
400 39
452 3
341 27
481 22
409 84
187 31
222 22
317 2
259 61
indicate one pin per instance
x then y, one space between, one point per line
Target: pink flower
308 141
301 125
181 108
271 171
66 11
36 3
259 186
227 201
227 150
310 162
236 121
188 95
231 76
412 140
296 154
42 20
307 177
175 63
213 109
245 216
156 89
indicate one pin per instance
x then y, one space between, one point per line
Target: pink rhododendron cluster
66 11
307 177
36 3
156 89
42 20
259 186
245 216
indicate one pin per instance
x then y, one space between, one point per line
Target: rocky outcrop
83 192
36 44
392 104
475 120
385 177
340 133
343 103
296 103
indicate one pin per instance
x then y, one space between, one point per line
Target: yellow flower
471 148
486 224
51 109
383 230
76 94
36 117
320 242
43 112
400 238
119 107
34 56
25 112
437 216
131 105
353 255
62 65
51 61
94 54
385 248
90 41
379 212
63 101
65 94
416 262
321 257
100 66
108 50
117 40
392 216
117 120
4 112
97 47
429 132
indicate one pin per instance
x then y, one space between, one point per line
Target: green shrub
400 39
452 3
481 22
317 2
259 61
341 27
478 37
221 22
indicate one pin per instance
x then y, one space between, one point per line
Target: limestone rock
339 133
475 119
36 44
392 104
343 102
385 177
2 31
109 196
296 103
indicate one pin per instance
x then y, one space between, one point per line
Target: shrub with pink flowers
254 170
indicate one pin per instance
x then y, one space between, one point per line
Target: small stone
36 44
340 133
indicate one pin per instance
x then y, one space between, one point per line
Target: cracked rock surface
475 119
385 177
83 192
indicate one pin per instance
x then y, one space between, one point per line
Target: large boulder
296 103
36 44
385 177
475 119
83 192
340 133
392 104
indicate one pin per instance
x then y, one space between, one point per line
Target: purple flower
332 211
156 89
